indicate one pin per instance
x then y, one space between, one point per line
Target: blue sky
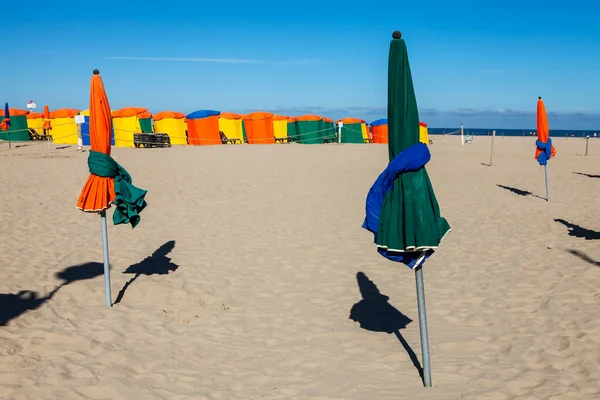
482 64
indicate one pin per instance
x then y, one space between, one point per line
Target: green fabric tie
129 201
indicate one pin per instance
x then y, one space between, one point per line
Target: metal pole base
547 188
105 256
492 149
423 326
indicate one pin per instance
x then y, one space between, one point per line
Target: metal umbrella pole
105 256
547 188
492 150
423 321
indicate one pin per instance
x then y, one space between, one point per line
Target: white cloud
212 60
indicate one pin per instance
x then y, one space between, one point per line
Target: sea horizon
514 132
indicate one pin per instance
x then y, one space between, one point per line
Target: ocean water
515 132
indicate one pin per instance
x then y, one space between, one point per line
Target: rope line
454 132
142 142
331 133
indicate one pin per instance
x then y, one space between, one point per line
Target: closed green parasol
401 209
410 216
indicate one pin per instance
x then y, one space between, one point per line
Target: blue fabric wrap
7 115
546 151
411 159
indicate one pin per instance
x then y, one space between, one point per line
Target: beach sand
248 258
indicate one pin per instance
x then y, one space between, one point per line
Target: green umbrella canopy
410 215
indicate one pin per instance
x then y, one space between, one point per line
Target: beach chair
161 139
139 140
226 140
330 139
33 135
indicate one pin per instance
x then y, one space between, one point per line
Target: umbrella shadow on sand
375 314
156 264
13 305
579 231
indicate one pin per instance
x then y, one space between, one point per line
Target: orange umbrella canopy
13 112
129 112
64 113
34 115
230 115
98 192
168 114
544 150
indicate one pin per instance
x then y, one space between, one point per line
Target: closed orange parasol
98 192
6 120
543 133
47 125
544 149
108 183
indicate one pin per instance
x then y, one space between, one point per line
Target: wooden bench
148 140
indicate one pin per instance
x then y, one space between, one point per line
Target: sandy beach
240 279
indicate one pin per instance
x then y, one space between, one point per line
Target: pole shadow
584 257
156 264
588 175
375 314
519 192
578 231
14 305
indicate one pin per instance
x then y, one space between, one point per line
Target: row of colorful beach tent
202 127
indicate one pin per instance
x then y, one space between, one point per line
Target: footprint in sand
523 386
9 347
533 356
472 346
288 392
559 346
471 371
467 320
505 349
258 380
491 396
356 350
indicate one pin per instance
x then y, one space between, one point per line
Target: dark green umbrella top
410 218
403 114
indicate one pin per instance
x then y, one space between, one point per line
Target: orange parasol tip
96 72
396 35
